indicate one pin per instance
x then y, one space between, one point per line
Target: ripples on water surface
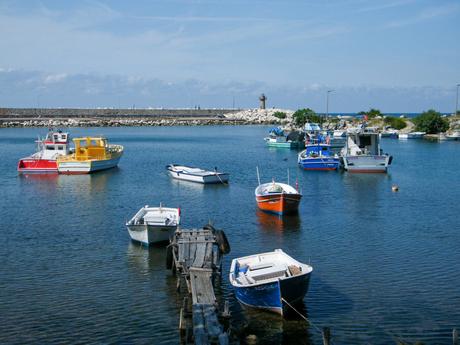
386 265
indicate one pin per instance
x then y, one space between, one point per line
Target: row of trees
429 121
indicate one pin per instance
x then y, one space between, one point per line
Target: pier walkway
195 256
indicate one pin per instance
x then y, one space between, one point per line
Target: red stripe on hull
279 203
37 165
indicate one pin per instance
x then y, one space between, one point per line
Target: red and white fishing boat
56 143
279 198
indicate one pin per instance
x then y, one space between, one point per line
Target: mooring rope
217 174
302 316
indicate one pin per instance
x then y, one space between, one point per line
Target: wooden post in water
326 336
454 336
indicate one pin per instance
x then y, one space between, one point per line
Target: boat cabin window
324 149
364 140
55 137
49 147
64 137
60 147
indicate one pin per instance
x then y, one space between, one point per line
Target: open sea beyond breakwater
386 265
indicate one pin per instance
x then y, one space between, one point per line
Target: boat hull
279 203
319 163
150 234
285 145
207 179
366 164
270 296
86 167
31 165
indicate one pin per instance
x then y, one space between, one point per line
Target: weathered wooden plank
199 255
201 285
182 251
208 256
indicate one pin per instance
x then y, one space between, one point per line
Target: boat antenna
288 176
258 176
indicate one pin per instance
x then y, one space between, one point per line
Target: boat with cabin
275 197
362 152
91 154
153 224
278 138
318 156
55 144
269 281
192 174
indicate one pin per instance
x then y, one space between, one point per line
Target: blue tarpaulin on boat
277 131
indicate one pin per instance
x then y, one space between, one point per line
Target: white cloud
425 15
21 88
55 78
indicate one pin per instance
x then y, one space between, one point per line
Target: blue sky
395 55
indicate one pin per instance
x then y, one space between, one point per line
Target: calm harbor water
386 265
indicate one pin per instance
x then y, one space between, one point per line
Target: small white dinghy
153 224
182 172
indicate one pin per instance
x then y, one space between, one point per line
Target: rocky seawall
12 117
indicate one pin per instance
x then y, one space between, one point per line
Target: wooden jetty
195 256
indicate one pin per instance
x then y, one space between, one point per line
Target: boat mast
258 176
288 176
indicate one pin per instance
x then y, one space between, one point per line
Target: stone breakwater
163 117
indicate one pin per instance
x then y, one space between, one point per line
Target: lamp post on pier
456 102
327 103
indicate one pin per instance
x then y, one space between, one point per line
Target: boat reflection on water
77 184
272 222
260 327
146 259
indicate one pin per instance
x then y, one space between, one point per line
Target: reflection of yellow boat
91 154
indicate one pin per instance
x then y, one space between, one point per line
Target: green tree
395 122
280 114
431 122
371 113
302 116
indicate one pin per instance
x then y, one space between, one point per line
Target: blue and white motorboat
269 281
318 157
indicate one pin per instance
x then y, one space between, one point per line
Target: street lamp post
327 103
456 102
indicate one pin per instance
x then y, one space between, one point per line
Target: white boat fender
395 188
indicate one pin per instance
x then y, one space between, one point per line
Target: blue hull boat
270 280
318 157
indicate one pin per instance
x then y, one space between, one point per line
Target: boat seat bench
269 272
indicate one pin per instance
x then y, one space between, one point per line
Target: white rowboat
153 224
182 172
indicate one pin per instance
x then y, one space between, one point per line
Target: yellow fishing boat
91 154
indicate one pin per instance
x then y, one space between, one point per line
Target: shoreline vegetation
54 117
